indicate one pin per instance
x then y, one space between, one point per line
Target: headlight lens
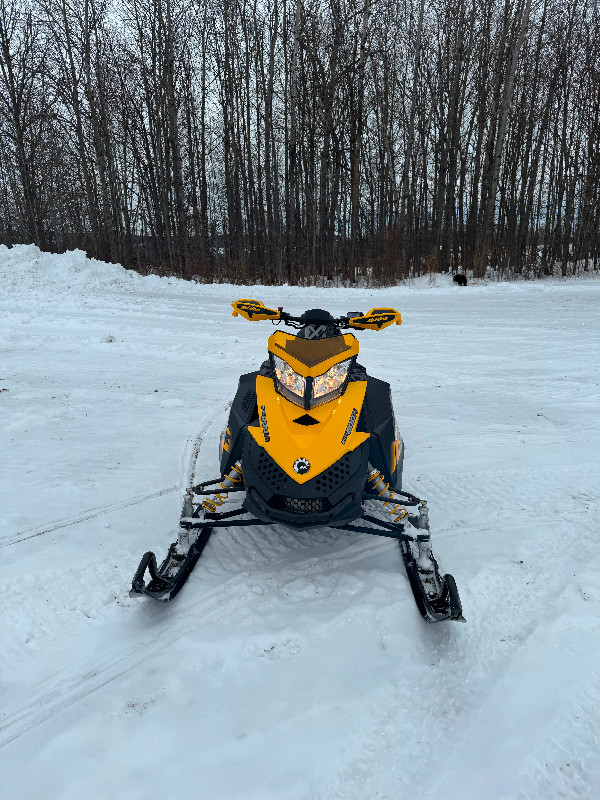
331 381
325 387
289 380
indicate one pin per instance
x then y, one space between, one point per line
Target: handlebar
375 319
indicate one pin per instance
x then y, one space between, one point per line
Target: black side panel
377 418
243 412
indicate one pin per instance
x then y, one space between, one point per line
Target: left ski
436 596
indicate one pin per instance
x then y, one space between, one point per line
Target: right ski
166 580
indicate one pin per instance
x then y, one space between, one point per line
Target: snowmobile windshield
313 351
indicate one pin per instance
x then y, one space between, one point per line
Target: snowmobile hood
303 450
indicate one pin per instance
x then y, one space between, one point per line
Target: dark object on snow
460 279
311 442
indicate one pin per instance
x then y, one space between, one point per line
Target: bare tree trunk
519 23
356 134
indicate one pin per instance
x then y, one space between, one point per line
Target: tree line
307 141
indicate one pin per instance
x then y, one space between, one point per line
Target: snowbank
26 270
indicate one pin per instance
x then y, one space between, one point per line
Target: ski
166 581
436 596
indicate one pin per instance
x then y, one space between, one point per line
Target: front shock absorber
379 485
232 479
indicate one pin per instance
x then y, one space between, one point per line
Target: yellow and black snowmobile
311 441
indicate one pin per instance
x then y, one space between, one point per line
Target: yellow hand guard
253 310
376 319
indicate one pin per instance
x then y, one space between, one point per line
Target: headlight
330 382
289 381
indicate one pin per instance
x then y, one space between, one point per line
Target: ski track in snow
240 551
294 665
91 513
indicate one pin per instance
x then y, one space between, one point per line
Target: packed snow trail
294 665
188 474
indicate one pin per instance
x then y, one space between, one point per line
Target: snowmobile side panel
386 448
243 412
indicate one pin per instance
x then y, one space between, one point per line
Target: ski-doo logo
263 422
350 425
371 319
301 466
379 321
257 309
249 309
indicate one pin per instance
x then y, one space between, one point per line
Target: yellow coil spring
376 480
211 504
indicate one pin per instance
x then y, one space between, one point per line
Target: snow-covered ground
294 665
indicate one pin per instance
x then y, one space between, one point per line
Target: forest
307 142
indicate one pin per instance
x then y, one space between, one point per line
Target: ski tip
162 598
460 619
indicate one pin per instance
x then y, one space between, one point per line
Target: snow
294 664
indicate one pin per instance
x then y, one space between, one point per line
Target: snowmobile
311 441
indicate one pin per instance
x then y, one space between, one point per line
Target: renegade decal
263 422
350 425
